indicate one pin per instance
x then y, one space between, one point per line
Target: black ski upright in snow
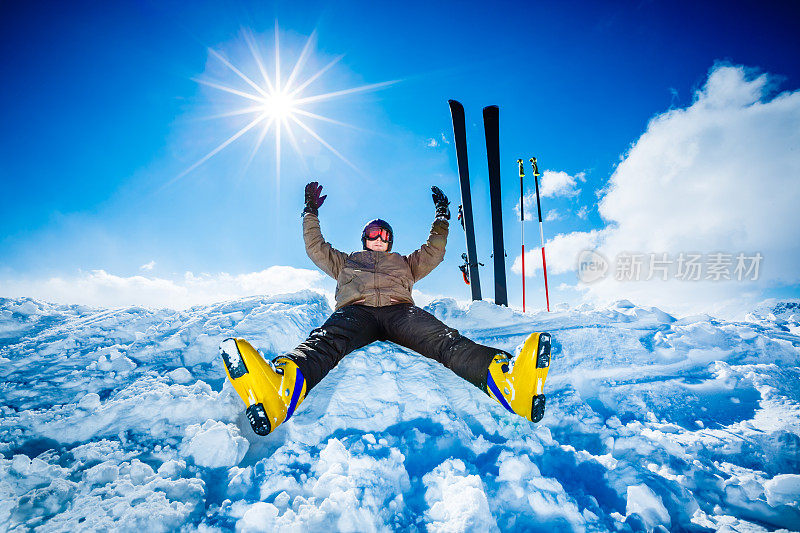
491 126
460 134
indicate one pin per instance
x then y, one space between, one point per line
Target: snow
648 505
783 489
122 419
214 444
456 501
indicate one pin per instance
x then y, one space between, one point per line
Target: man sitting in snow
373 303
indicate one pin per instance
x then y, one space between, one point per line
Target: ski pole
541 229
522 223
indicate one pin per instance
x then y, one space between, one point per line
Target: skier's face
379 245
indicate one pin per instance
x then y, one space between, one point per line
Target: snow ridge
123 419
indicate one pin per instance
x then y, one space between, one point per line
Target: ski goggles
373 233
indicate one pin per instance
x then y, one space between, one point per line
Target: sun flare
275 105
279 105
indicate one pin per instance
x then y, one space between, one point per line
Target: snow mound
122 419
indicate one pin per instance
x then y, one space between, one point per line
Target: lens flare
273 102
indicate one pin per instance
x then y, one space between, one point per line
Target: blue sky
102 110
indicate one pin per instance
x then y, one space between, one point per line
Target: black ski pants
355 326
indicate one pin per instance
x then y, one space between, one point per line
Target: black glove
442 203
313 198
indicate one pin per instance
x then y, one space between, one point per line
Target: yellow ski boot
517 384
271 391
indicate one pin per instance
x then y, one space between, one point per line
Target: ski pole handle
521 168
535 166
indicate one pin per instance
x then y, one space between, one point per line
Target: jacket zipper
375 279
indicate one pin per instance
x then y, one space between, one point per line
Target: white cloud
561 253
553 214
718 176
583 213
529 202
433 142
552 184
148 266
99 288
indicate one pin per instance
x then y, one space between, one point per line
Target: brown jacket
374 278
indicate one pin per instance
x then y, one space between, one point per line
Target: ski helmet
379 224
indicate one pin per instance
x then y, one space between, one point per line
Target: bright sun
279 105
273 102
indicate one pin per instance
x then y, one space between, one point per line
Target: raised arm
325 256
430 254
